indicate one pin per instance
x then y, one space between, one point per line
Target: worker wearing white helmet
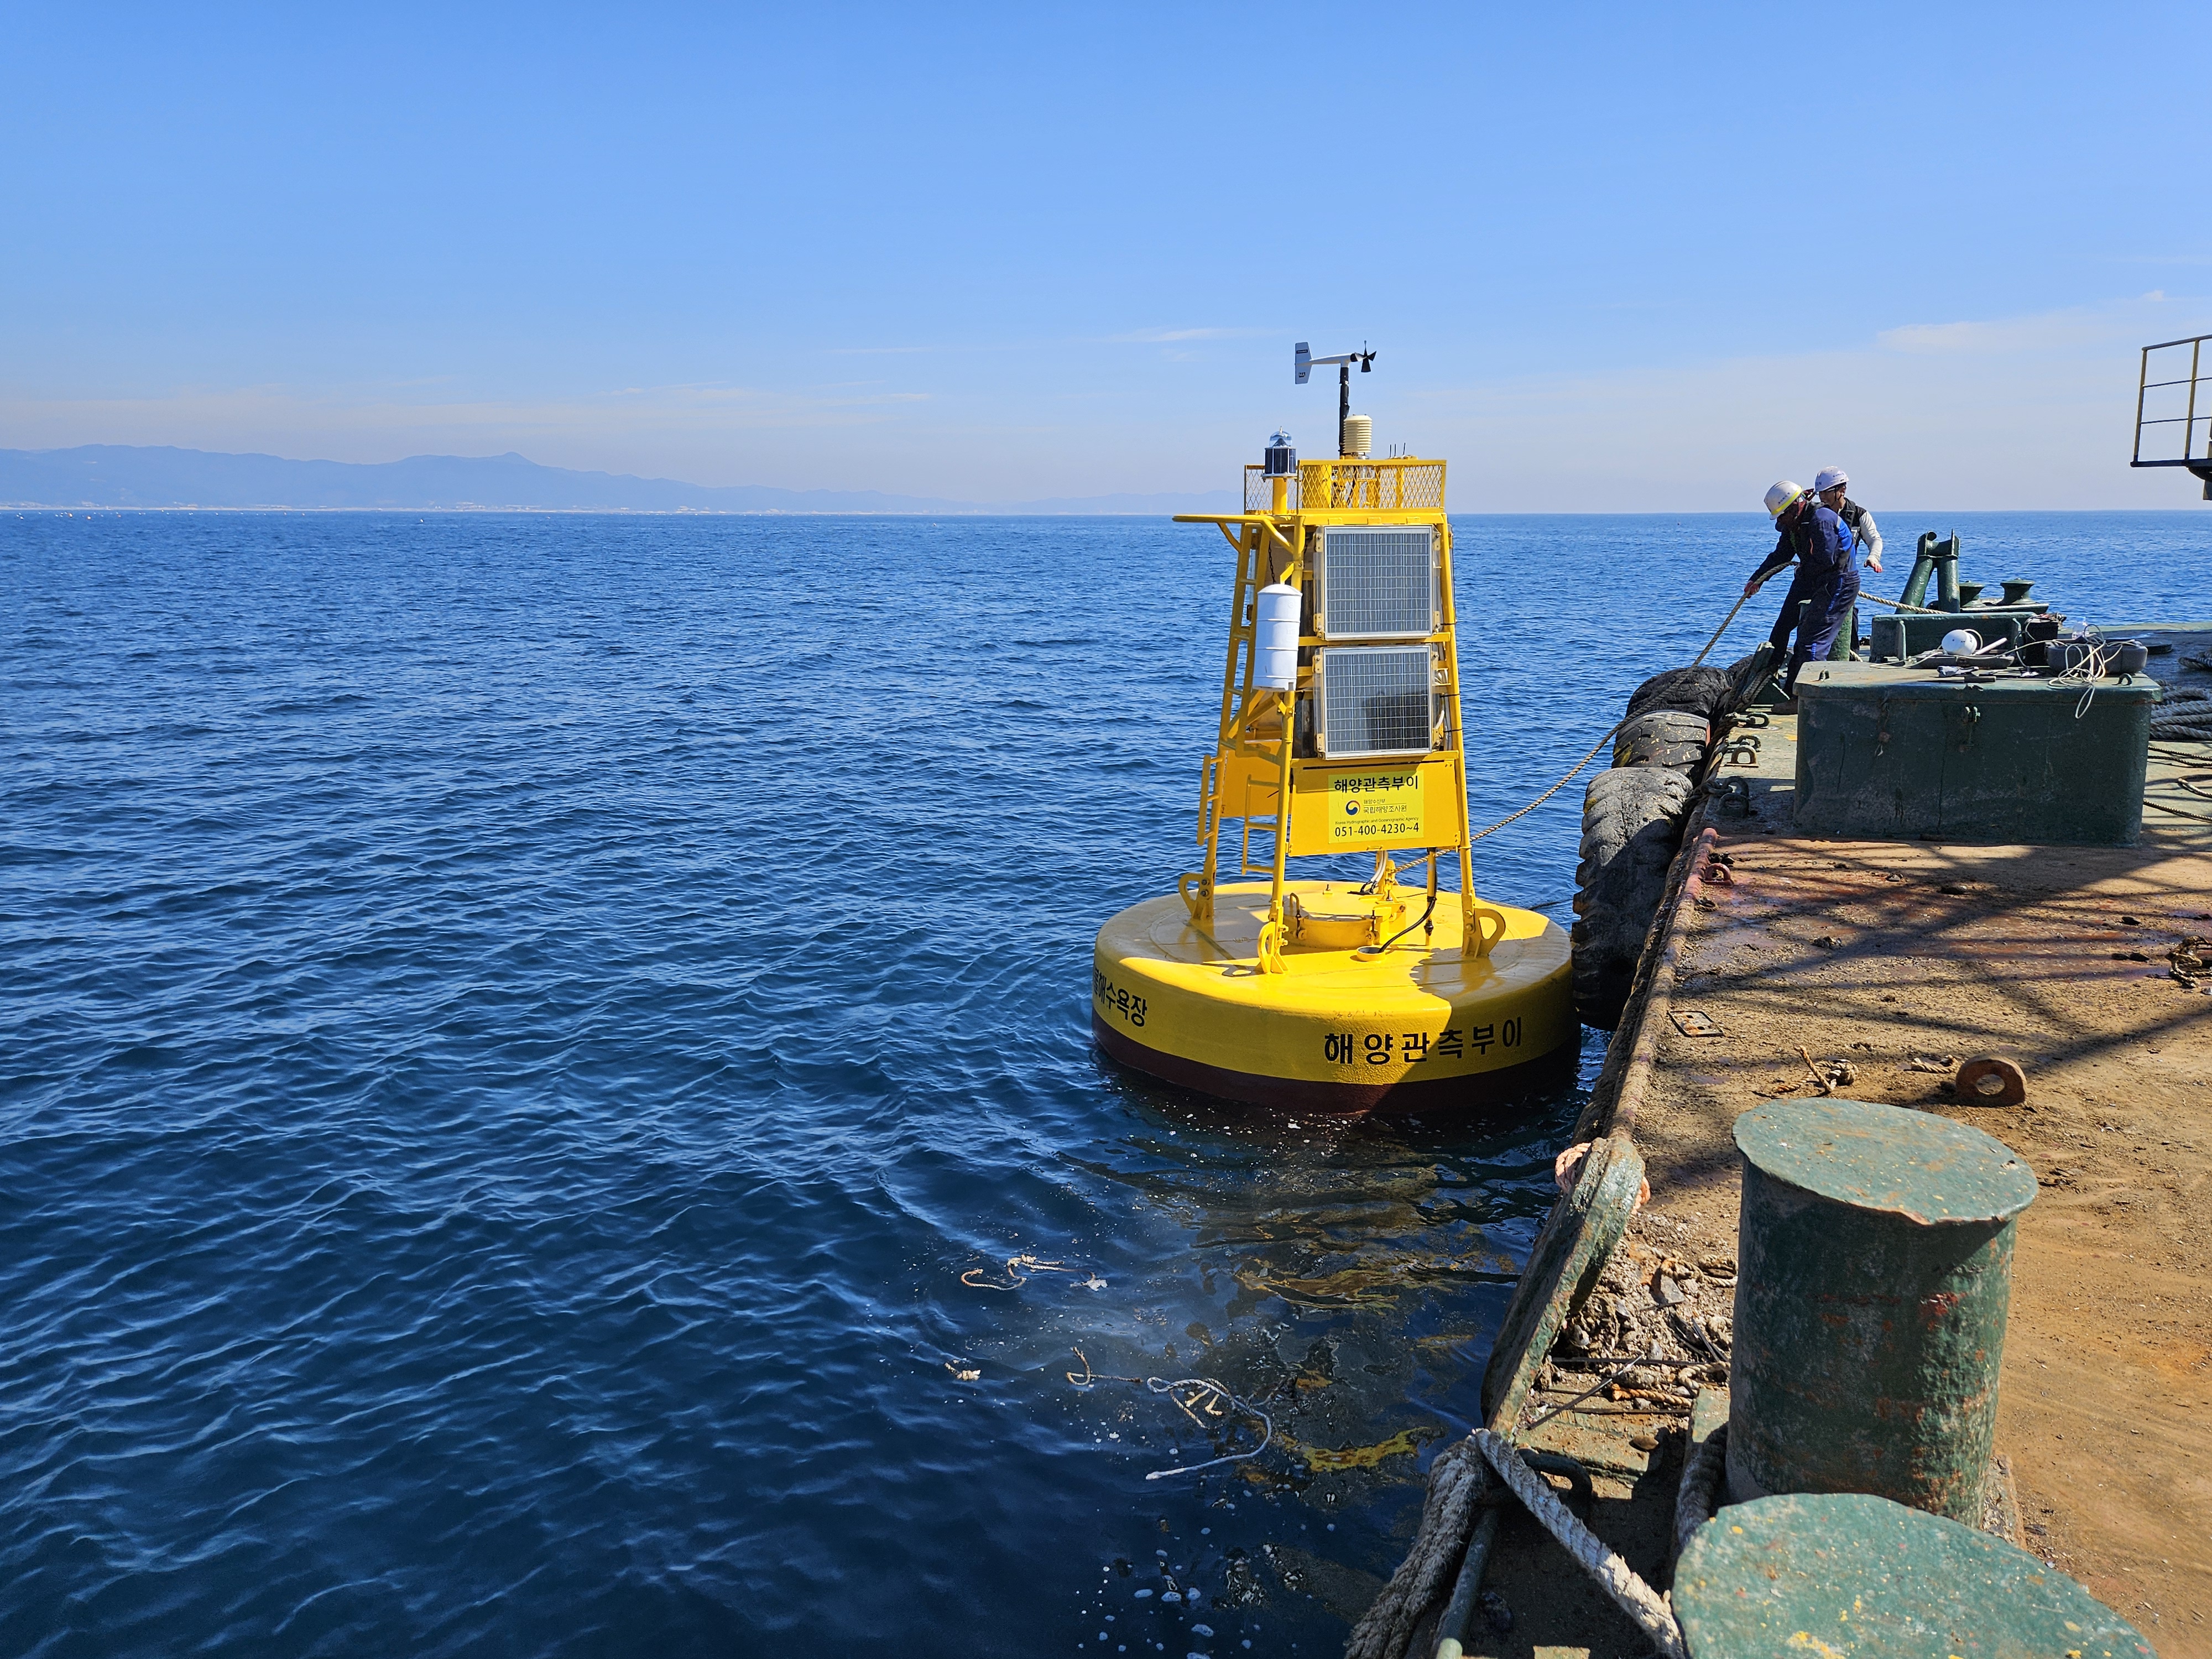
1825 546
1829 484
1791 509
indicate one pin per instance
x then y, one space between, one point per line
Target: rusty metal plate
1604 1446
1848 1574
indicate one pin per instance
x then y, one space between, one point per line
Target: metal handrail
2188 419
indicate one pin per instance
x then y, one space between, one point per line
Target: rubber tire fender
1663 737
1704 692
1632 827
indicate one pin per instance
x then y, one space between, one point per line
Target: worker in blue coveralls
1822 530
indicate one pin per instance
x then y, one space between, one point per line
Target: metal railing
2172 409
1394 485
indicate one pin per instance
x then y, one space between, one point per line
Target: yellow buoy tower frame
1335 995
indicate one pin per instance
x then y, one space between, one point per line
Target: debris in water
1406 1441
1021 1268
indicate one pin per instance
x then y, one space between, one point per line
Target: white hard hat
1780 496
1830 476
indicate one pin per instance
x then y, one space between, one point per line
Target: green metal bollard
1923 566
1946 574
1845 649
1874 1272
1851 1575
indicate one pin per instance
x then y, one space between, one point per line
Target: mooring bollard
1880 1581
1873 1276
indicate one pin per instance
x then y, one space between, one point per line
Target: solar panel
1377 700
1377 584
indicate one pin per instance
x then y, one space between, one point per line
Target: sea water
532 1042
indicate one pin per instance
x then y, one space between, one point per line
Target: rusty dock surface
1794 966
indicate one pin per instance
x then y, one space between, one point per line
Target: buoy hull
1433 1096
1420 1027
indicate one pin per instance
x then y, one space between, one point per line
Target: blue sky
1614 257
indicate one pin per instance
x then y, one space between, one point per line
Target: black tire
1701 691
1663 738
1632 825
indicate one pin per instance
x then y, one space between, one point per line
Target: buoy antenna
1305 361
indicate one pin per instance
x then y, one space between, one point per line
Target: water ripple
520 1026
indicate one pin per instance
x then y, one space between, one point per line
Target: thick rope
1722 630
1701 1480
1555 788
1613 1576
1456 1484
1602 741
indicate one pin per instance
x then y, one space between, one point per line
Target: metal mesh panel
1388 486
1377 583
1259 493
1377 700
1391 486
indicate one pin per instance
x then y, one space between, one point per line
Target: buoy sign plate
1375 809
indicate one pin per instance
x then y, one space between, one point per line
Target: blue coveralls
1826 583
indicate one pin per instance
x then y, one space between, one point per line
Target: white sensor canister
1276 635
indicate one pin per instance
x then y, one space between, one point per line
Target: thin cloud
2015 335
1180 336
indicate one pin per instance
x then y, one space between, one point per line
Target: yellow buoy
1339 733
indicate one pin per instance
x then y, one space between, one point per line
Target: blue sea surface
531 1043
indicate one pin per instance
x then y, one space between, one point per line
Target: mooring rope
1701 1479
1613 1576
1458 1482
1610 732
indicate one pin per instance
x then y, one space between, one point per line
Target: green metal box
1888 753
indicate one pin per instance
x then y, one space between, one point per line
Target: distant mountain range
126 475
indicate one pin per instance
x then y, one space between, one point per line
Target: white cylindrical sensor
1961 641
1276 637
